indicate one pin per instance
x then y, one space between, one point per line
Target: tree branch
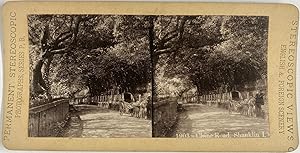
72 33
164 51
62 39
44 40
162 48
62 34
168 23
59 51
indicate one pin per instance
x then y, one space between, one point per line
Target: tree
114 61
237 60
169 35
103 52
59 36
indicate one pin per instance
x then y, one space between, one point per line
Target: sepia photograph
151 76
210 77
90 76
139 76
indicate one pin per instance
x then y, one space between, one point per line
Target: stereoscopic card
141 76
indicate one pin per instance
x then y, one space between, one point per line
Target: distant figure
259 100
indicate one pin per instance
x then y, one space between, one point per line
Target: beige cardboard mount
283 25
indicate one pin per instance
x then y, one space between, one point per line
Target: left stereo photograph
100 64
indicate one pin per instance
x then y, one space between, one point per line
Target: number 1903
183 135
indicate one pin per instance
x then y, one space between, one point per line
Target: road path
92 121
204 121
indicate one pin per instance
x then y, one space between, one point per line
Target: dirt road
204 121
92 121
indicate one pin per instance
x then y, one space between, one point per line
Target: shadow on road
182 115
196 120
93 121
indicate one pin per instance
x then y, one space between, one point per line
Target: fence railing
44 119
216 97
97 99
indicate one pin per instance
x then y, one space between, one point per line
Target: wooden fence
216 98
44 119
97 99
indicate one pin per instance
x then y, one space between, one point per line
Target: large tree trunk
46 68
154 58
154 76
38 84
153 68
40 78
40 75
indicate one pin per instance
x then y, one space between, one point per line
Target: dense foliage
70 53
